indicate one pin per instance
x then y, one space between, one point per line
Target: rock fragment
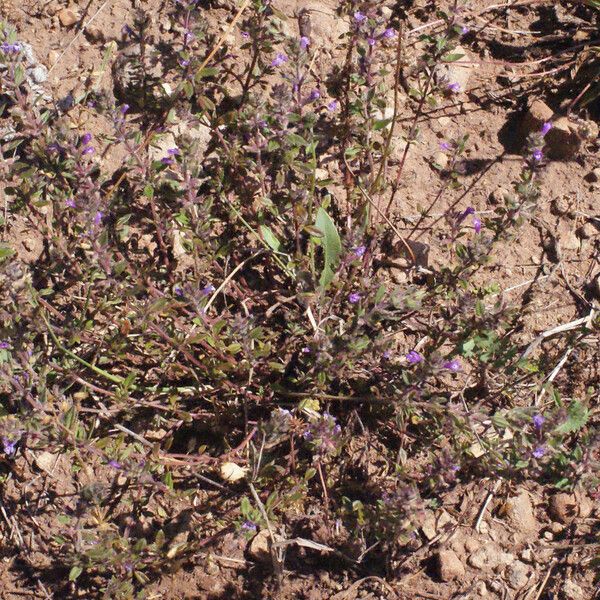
449 565
67 17
517 575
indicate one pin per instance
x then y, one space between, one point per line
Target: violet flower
477 224
546 127
539 452
453 365
332 106
538 421
359 251
537 155
354 297
304 42
279 59
413 357
360 17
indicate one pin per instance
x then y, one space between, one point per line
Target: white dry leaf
232 472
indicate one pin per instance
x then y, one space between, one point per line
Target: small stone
519 513
46 461
39 74
593 176
571 591
67 17
517 574
53 57
527 555
537 114
566 507
562 141
445 121
449 565
556 528
472 545
260 546
481 589
587 231
489 557
548 535
588 130
95 33
441 160
561 206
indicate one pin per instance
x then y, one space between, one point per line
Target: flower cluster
323 434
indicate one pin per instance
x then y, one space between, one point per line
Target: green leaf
6 251
74 573
332 245
270 238
452 57
382 124
577 417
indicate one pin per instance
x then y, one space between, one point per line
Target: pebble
441 159
67 17
519 513
449 565
537 114
457 72
39 74
566 507
561 206
562 141
527 555
260 546
517 574
571 591
95 33
594 175
490 557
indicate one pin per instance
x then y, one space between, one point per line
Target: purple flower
538 421
10 48
454 88
124 108
183 62
4 345
70 202
537 155
304 42
413 357
245 35
8 446
387 355
98 218
546 127
445 146
453 365
354 297
389 33
86 139
314 95
464 30
477 224
360 17
463 215
539 452
173 151
371 41
359 251
167 160
114 464
88 150
248 526
188 37
305 350
332 106
279 60
126 30
208 289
